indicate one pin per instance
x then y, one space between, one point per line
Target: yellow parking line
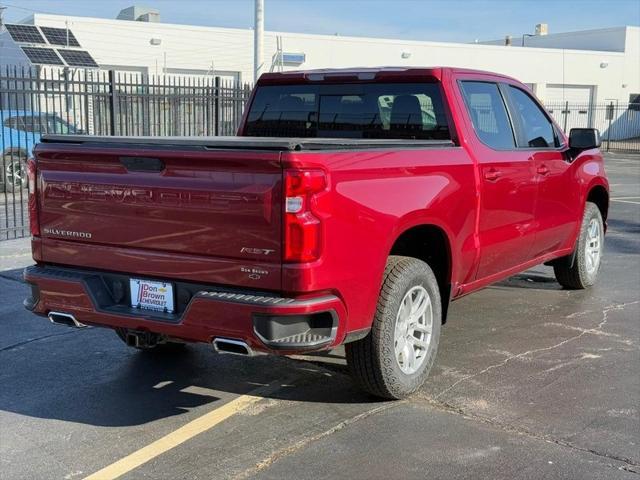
175 438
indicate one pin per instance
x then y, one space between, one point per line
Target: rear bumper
264 321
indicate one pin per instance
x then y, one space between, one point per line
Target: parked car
351 209
21 130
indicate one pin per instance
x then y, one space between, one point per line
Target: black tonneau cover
246 143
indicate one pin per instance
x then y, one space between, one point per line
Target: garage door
577 112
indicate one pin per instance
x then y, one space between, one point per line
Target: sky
436 20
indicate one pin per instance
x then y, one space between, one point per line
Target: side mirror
584 138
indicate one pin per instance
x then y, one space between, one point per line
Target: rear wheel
394 360
588 256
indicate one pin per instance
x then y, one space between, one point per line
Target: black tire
10 164
577 276
165 347
372 360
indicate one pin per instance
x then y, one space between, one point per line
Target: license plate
149 295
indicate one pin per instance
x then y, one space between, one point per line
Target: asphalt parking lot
531 382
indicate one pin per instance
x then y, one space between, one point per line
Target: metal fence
65 101
619 124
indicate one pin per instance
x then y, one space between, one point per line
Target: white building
588 66
583 68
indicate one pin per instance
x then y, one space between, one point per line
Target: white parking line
625 201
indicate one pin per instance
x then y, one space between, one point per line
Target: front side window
376 110
53 124
536 127
488 114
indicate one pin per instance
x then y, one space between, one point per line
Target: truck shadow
89 377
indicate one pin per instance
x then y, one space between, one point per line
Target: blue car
21 130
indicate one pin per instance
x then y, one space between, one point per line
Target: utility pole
258 39
2 9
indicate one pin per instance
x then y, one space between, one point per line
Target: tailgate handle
142 164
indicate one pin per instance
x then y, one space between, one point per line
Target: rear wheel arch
599 195
429 243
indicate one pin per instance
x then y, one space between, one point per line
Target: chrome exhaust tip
234 347
66 319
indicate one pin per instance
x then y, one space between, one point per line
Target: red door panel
507 222
557 208
508 189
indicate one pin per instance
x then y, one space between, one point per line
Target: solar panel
45 56
77 58
25 33
59 36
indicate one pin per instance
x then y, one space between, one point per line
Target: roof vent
139 14
542 29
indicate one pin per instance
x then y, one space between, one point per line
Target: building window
634 102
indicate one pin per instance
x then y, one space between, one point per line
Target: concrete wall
631 69
534 66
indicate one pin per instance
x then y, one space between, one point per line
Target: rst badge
257 251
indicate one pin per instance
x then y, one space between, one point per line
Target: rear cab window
375 110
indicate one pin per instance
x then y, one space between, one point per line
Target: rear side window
14 123
488 114
377 110
536 127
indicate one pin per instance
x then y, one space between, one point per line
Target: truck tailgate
220 211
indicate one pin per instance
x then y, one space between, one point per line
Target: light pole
258 39
2 9
526 35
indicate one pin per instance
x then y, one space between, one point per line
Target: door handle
543 170
492 174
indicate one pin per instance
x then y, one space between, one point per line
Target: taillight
302 229
32 173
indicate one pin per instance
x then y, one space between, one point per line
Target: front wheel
588 256
394 360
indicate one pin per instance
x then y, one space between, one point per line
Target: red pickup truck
351 208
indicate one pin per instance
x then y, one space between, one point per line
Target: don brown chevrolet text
351 208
